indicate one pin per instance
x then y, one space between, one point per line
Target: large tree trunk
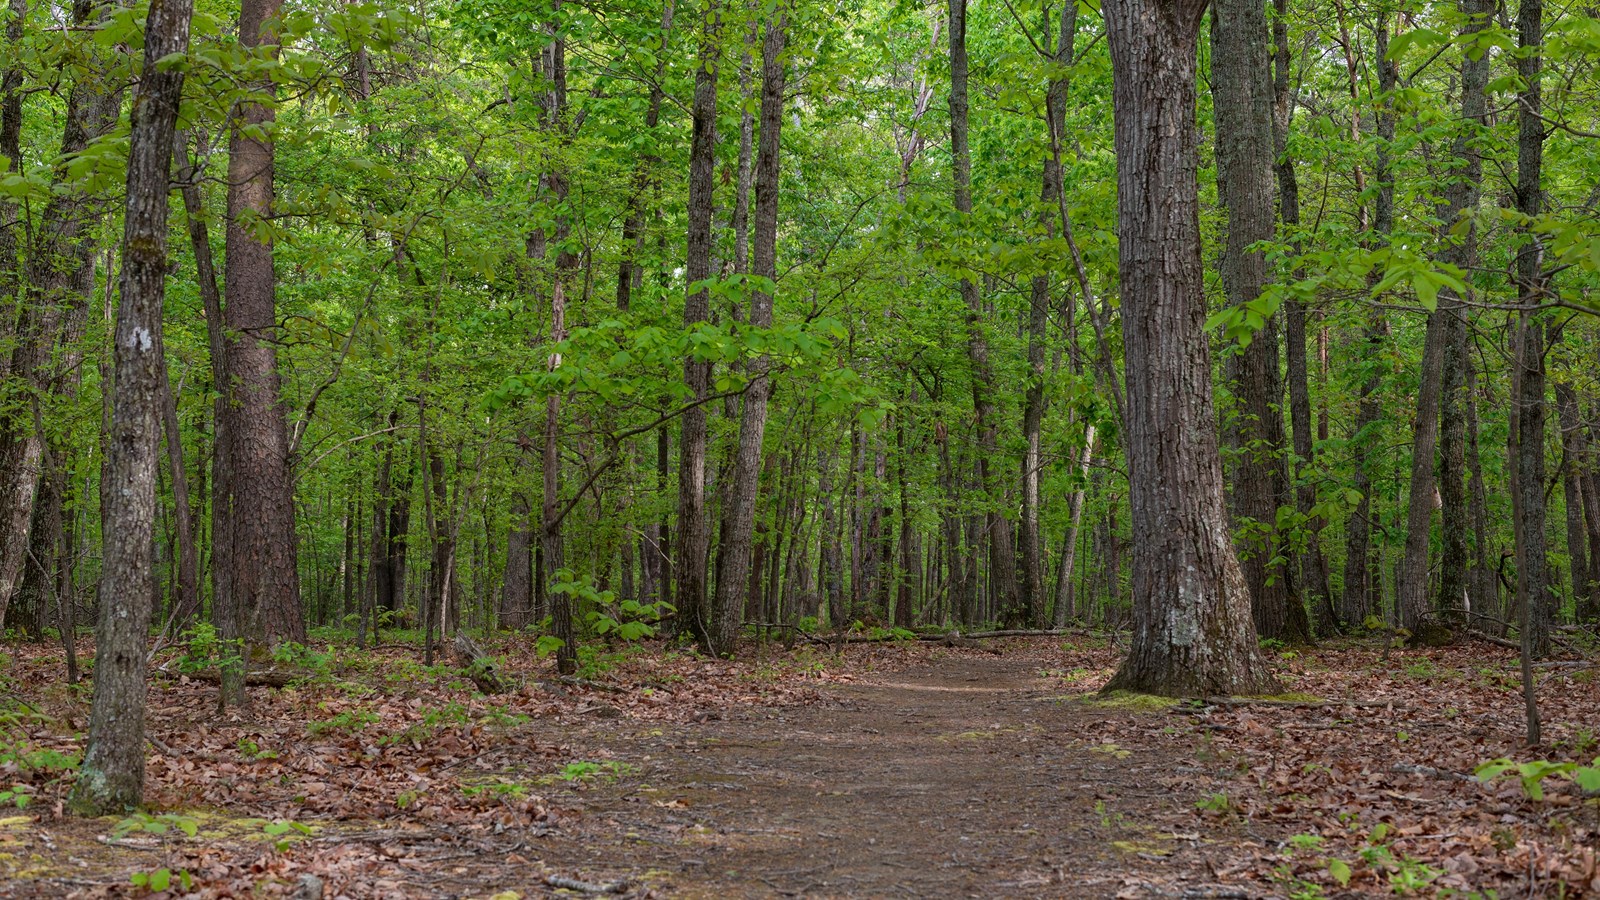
1001 554
111 779
693 538
255 508
1241 96
1193 633
733 576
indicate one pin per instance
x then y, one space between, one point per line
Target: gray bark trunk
111 779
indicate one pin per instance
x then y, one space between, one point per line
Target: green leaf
1588 777
1427 291
1339 870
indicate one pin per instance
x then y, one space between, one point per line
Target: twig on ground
585 887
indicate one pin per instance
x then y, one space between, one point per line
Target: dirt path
959 778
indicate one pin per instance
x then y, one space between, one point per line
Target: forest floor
897 770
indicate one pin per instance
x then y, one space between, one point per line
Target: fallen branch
591 685
585 887
1513 645
1491 639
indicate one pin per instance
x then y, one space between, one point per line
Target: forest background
595 317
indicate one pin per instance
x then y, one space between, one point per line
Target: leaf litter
898 769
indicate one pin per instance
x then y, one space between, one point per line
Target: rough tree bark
1461 196
111 779
1193 633
258 591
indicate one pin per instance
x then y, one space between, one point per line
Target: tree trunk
830 562
1528 400
1484 584
262 594
11 94
999 528
1241 96
1069 544
1461 198
1313 567
516 594
1573 466
187 599
1033 564
56 284
1193 633
1443 347
693 538
740 503
111 779
1362 591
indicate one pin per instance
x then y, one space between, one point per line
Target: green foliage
157 881
205 650
583 770
254 752
285 832
434 719
316 663
159 824
1532 774
350 721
